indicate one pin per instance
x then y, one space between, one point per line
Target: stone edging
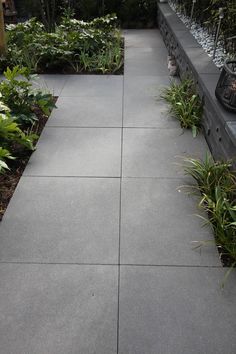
219 125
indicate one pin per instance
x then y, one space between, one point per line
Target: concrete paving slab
151 86
93 85
146 53
157 152
176 310
156 230
77 152
143 38
62 220
145 111
87 112
152 67
58 309
53 83
143 61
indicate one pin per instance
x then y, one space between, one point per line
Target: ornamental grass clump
217 184
185 104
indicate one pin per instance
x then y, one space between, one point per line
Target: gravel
204 38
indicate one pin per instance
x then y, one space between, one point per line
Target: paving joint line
105 127
79 177
115 264
120 208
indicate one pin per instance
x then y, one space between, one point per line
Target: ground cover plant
185 104
74 46
23 114
217 184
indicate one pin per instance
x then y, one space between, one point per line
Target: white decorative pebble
205 39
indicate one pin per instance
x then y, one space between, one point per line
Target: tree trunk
2 31
48 14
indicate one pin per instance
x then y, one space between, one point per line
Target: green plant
217 184
210 174
78 44
16 92
10 133
4 155
185 104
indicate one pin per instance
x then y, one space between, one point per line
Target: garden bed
74 47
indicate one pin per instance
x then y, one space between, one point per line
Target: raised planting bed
74 47
219 125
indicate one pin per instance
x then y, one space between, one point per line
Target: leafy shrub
18 102
73 44
185 104
16 93
10 133
4 155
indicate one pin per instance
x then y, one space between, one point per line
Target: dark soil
68 70
226 259
10 179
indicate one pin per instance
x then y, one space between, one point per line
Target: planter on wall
219 125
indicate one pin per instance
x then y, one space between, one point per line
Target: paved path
95 247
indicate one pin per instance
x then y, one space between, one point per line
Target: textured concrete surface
96 245
62 220
77 152
158 152
172 309
95 112
58 309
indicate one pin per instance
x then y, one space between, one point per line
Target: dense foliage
78 45
18 104
206 12
131 13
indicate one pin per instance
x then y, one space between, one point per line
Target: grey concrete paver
140 86
159 225
146 61
139 38
62 220
52 83
145 111
58 309
157 152
87 112
77 152
93 85
176 310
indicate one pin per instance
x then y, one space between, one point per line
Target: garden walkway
95 247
